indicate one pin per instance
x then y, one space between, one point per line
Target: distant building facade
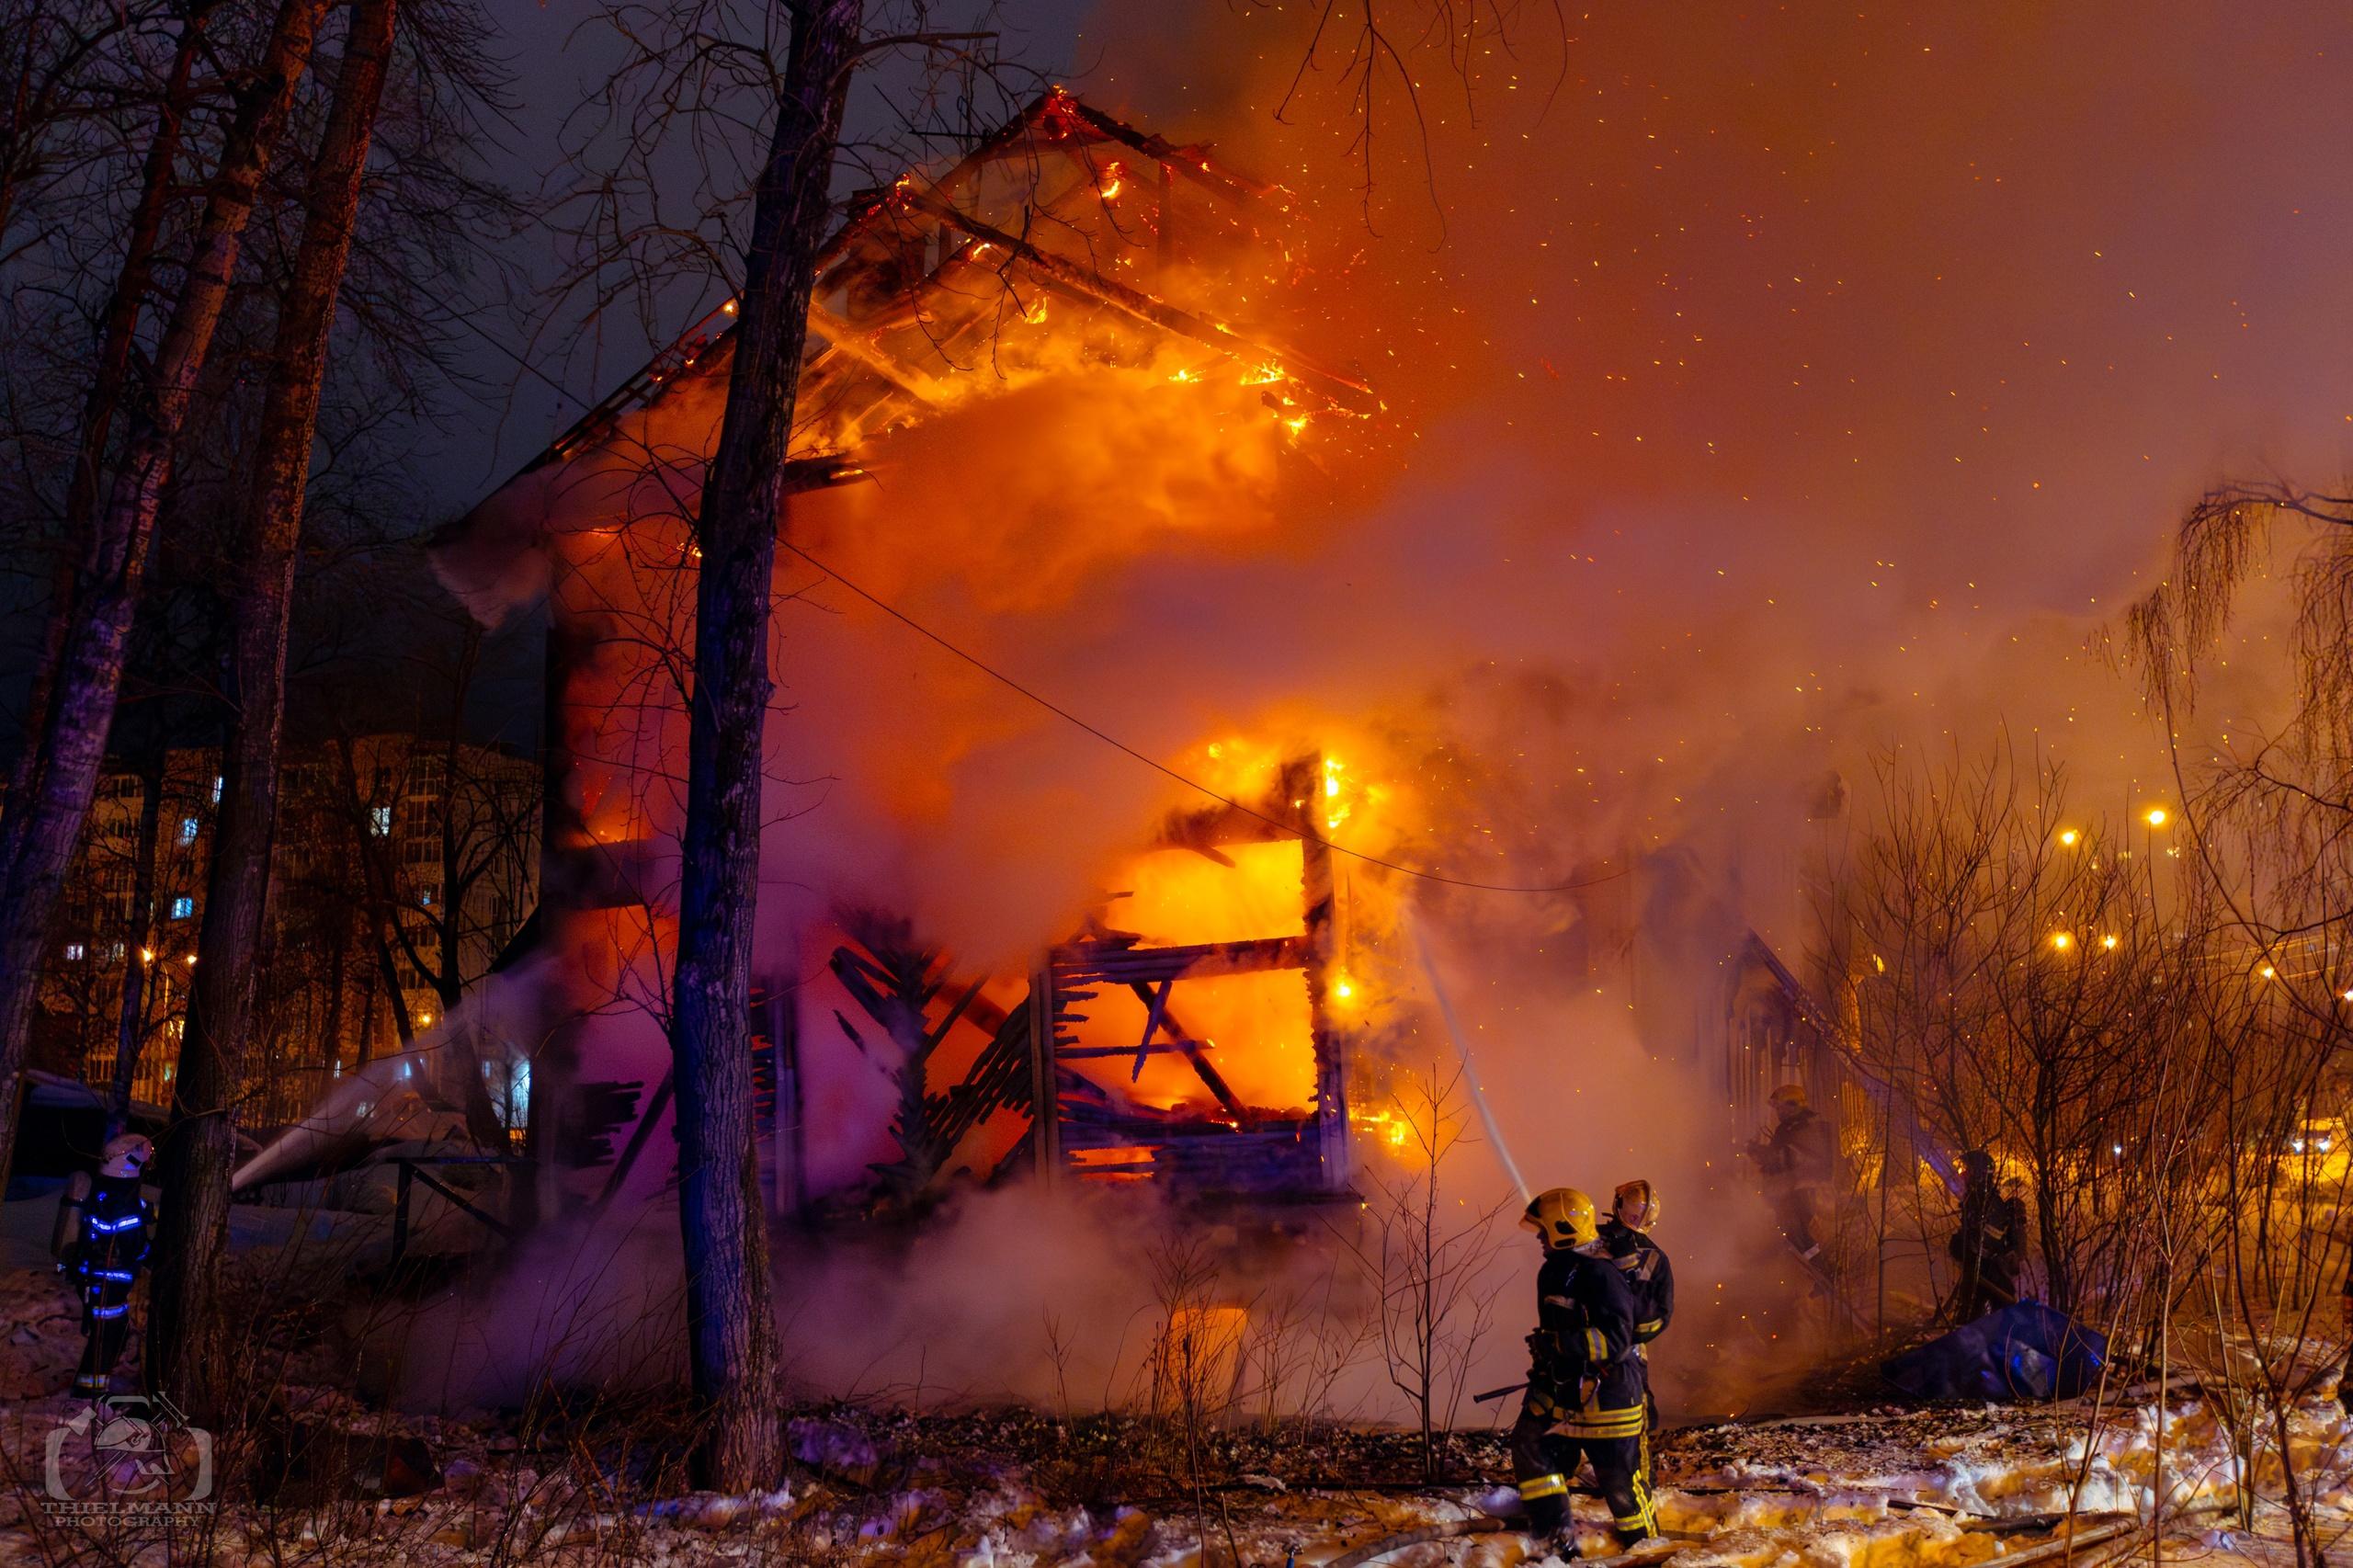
404 865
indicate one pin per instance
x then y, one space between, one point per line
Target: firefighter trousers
1543 1461
106 1319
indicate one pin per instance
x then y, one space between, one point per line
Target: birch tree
200 1146
84 674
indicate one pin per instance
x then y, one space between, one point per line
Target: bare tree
85 674
199 1152
1428 1259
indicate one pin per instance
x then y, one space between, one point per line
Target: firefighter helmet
126 1154
1563 1217
1791 1094
1644 1198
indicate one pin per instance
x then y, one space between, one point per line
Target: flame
1200 1355
1252 1028
1264 375
1336 810
1109 185
1390 1130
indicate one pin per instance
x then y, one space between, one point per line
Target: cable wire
1289 830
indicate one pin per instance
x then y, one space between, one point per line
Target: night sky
1800 379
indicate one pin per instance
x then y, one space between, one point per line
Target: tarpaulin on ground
2025 1352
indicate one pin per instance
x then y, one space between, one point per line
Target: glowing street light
2156 816
2063 941
2070 836
2109 941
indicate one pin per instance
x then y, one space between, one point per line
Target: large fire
1063 353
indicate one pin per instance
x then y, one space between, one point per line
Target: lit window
183 907
216 782
425 898
74 952
187 830
379 821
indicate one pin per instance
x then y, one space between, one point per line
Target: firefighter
111 1238
1626 1236
1990 1242
1795 1157
1584 1382
1650 1278
2344 1392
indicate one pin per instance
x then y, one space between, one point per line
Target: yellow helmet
1643 1197
1791 1095
1563 1217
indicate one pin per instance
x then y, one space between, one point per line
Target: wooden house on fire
1121 1055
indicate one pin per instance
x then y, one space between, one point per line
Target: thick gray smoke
1784 390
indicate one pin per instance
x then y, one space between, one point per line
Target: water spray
1462 1050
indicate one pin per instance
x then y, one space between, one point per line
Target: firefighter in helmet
1650 1278
1584 1382
106 1243
1795 1158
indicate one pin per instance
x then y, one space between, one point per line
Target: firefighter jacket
1992 1231
1650 1278
1584 1373
113 1243
1797 1152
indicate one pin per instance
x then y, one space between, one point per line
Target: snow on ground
1886 1488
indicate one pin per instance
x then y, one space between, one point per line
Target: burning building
1193 1022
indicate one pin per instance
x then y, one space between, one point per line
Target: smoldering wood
904 292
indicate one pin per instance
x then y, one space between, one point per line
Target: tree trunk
731 1325
184 1326
105 400
338 959
130 1029
37 843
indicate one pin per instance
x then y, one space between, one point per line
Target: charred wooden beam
1193 1048
850 342
1084 961
1302 782
1077 280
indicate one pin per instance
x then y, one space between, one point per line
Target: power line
1288 829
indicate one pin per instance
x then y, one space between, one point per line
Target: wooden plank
1210 1075
1084 961
1045 1079
1155 1004
1070 278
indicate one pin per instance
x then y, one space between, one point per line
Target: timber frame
1243 1150
934 292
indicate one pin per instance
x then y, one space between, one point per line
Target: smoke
1756 398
